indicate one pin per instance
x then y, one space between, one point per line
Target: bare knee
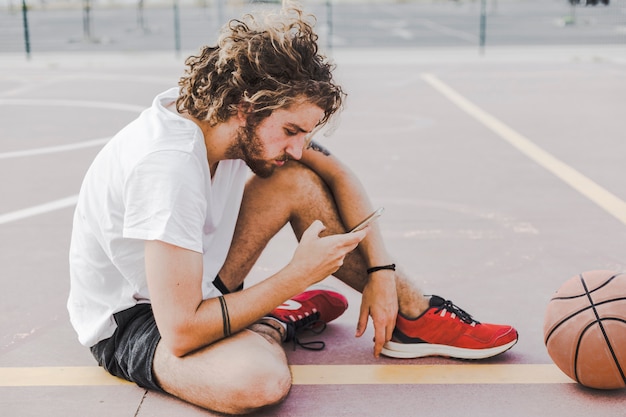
303 195
294 180
259 385
237 375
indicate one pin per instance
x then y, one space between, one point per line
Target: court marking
39 209
54 149
318 375
65 103
587 187
72 103
71 200
29 85
428 374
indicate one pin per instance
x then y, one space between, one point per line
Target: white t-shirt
150 182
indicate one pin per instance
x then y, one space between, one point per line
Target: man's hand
380 300
318 257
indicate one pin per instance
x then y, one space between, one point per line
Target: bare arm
187 322
380 299
352 199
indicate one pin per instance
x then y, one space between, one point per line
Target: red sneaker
446 330
310 310
314 303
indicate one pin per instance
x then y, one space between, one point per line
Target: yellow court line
427 374
599 195
51 376
318 375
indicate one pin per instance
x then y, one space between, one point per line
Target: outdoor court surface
502 176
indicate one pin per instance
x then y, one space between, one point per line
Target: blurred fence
160 25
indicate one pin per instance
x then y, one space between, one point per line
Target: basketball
585 329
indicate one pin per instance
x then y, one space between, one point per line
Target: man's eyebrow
296 127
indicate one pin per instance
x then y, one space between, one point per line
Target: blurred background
34 26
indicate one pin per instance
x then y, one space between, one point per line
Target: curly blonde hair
262 65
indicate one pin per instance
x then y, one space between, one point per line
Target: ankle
272 327
415 307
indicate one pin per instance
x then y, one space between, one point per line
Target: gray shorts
129 352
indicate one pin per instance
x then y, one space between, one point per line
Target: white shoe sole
420 350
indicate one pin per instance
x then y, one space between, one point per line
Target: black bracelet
391 267
225 316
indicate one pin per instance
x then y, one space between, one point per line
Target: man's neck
217 139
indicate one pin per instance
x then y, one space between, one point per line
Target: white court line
67 201
40 209
28 85
65 103
594 192
54 149
72 103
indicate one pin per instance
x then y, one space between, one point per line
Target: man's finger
389 334
362 323
379 340
391 327
350 240
314 229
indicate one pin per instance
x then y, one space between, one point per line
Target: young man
169 223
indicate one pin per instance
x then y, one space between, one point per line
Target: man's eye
289 132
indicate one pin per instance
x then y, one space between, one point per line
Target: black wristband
391 267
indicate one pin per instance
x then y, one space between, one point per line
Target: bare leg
237 375
297 195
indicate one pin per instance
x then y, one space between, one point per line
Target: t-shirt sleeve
164 199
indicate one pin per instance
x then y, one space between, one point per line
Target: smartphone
368 220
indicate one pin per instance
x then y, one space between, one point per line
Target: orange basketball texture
585 329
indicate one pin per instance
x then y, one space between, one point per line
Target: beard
248 147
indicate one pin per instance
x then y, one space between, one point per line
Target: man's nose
296 147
